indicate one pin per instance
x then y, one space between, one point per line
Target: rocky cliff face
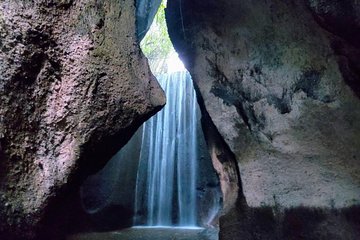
280 81
74 87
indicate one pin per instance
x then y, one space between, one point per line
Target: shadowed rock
280 82
74 87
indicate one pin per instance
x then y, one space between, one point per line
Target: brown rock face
280 82
74 87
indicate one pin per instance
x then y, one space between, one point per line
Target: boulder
74 87
280 82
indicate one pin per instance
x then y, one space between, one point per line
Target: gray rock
271 84
74 86
280 82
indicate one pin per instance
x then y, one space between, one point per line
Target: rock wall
280 81
108 196
74 87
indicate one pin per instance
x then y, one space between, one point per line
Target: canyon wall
74 86
279 81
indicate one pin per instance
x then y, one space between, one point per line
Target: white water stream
167 173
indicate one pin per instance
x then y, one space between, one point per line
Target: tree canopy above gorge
156 45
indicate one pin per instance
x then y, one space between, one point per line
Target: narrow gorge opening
169 181
163 177
278 87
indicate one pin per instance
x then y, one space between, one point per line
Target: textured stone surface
342 19
280 82
305 223
74 87
272 85
223 160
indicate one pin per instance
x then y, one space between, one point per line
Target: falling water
166 182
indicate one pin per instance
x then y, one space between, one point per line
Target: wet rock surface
74 87
151 234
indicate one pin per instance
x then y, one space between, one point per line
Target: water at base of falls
150 234
166 182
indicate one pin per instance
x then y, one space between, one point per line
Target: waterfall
166 178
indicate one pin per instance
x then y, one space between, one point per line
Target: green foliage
156 45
